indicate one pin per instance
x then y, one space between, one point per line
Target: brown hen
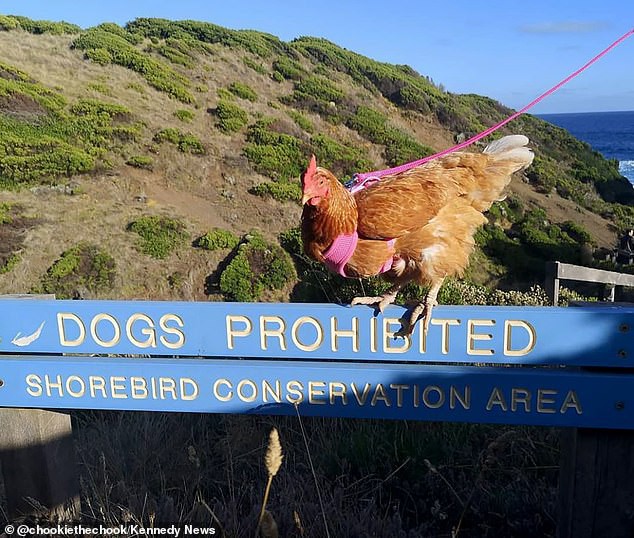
416 225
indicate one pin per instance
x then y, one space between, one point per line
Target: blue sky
509 50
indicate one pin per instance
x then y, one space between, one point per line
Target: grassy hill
178 129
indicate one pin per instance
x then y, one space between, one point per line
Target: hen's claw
381 301
423 310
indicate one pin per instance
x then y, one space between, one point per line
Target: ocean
610 133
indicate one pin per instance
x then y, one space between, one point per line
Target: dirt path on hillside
237 210
205 212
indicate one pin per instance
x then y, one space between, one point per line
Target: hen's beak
307 196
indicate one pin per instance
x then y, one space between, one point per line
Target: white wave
626 168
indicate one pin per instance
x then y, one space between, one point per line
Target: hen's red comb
310 171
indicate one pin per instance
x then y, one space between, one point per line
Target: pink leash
360 179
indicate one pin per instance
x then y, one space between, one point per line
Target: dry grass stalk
298 523
273 460
274 456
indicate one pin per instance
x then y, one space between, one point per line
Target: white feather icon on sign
22 341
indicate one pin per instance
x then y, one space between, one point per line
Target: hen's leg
425 308
381 301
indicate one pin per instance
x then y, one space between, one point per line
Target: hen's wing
403 202
369 257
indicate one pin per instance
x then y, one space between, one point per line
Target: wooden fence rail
563 367
557 271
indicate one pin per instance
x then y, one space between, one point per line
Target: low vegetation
243 91
302 121
140 161
522 241
42 138
103 47
258 43
217 239
281 190
258 266
14 22
399 147
159 235
288 68
186 116
185 142
83 271
231 118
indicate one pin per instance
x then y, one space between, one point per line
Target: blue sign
597 336
539 396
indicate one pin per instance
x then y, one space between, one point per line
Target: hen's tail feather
507 155
506 143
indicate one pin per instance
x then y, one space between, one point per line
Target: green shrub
399 147
224 94
176 51
543 173
231 117
124 53
243 91
55 142
5 215
288 68
186 142
44 27
403 149
141 161
184 115
282 191
396 83
257 266
115 29
9 263
217 239
277 155
80 268
169 134
100 56
190 143
258 43
159 235
282 157
301 120
319 88
8 23
577 232
258 68
291 241
339 158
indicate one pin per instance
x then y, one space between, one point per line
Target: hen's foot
423 310
381 302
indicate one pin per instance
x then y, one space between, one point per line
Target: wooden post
596 484
38 463
37 459
551 285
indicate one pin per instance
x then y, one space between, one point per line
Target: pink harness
342 249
